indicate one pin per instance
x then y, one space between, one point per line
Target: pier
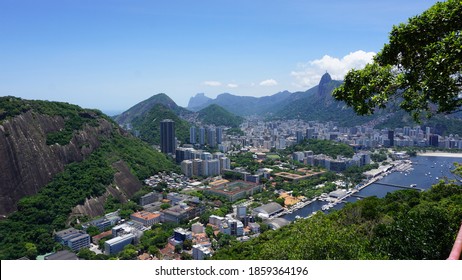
399 186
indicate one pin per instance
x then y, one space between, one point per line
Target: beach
440 154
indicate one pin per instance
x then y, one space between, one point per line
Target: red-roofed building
146 218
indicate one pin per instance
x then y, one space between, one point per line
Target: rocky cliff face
124 186
27 163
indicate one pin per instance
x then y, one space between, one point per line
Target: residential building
219 135
215 220
200 252
225 163
146 218
192 135
150 198
73 238
187 168
212 138
167 136
241 211
232 227
197 228
391 138
115 245
202 136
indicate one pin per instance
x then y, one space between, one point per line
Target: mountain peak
325 79
145 106
198 101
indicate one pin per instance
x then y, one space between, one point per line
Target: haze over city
112 54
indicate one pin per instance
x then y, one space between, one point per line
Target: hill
145 106
217 115
61 163
148 124
196 102
317 104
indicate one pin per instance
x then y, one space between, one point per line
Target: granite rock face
27 163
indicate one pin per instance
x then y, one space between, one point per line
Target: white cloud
212 83
308 74
269 83
232 85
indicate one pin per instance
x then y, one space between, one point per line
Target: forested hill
217 115
55 156
147 105
148 124
406 224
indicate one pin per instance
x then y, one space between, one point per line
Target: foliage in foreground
420 67
405 224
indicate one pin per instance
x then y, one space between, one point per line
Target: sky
111 55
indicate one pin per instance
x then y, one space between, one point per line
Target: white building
200 252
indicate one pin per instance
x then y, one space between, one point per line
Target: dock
399 186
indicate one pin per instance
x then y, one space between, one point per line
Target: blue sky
112 54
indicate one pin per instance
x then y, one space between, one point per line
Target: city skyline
110 57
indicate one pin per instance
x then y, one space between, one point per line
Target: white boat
413 185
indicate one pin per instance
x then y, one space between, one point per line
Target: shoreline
440 154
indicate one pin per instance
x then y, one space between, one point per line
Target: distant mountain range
317 104
314 104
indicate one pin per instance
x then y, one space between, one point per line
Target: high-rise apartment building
167 136
202 136
192 135
219 132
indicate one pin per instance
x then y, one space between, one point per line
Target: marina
419 173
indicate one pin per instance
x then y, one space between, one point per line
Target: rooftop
145 215
234 187
62 255
218 182
119 239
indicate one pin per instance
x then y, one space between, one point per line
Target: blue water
426 172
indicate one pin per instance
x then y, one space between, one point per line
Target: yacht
413 185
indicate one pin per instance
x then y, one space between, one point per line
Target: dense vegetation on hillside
405 224
217 115
145 106
28 231
148 125
74 116
317 104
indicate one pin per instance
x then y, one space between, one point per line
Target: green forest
216 115
326 147
74 116
148 125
